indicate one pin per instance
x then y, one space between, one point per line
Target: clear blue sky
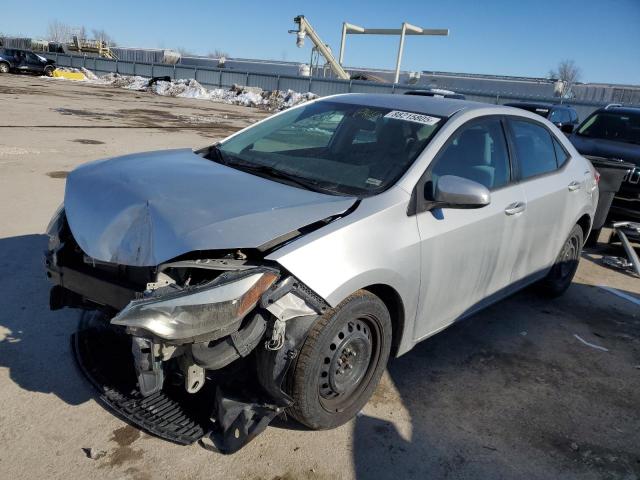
511 37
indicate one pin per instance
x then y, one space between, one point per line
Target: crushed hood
147 208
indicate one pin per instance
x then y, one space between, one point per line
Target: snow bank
236 95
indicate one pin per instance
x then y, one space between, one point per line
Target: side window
534 148
477 152
561 154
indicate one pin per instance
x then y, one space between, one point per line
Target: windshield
333 147
620 127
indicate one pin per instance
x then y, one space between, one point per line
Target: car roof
620 109
441 107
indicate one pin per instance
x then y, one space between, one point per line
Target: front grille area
104 357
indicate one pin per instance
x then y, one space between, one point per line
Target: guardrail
222 78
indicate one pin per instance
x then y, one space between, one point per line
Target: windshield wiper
215 154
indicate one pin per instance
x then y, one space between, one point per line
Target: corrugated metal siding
209 78
142 55
16 42
590 97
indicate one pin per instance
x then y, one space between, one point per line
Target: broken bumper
191 375
181 360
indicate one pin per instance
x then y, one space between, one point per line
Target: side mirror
457 192
567 128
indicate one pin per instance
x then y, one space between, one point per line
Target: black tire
48 71
4 67
341 362
561 274
592 239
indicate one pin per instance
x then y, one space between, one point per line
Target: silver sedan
280 269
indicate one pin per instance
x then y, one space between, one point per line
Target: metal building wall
224 78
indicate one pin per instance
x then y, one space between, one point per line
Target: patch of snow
191 88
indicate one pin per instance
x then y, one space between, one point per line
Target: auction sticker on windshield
412 117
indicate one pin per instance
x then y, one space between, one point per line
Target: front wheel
4 67
561 274
341 362
48 71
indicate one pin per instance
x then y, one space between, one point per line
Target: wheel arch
585 223
393 301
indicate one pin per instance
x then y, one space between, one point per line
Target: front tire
341 362
48 71
4 67
561 274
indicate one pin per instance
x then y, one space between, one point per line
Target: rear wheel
561 274
4 67
341 362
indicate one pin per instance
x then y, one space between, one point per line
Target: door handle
573 186
515 207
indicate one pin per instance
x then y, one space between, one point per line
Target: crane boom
305 29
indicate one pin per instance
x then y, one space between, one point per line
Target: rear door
467 255
552 188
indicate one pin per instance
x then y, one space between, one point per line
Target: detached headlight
209 312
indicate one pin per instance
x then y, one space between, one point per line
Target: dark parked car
562 116
16 60
613 132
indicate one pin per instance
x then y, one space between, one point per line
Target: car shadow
35 342
512 393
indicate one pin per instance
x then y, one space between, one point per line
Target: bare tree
58 32
568 73
81 32
102 36
217 53
184 52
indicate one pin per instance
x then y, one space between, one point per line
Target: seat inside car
470 156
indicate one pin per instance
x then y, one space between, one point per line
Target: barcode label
412 117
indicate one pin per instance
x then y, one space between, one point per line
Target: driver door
20 59
467 255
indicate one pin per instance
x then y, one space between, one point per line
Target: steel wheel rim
568 258
348 363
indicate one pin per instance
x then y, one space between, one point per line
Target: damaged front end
195 347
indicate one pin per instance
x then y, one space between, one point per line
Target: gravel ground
509 393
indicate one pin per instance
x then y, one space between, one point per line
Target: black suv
613 133
562 116
16 60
